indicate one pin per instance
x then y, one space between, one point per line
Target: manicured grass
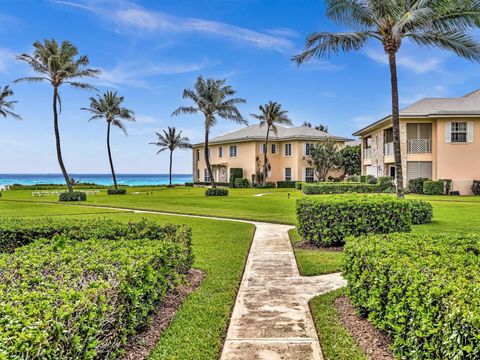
220 249
335 340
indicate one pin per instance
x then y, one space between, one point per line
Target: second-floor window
197 155
288 149
459 132
233 150
263 148
220 152
274 148
288 174
206 175
307 149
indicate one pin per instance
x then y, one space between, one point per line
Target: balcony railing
388 149
419 146
367 153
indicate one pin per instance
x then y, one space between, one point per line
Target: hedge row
421 290
67 299
73 196
287 184
216 192
431 187
422 211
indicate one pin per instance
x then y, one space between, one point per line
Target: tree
271 115
58 65
320 127
171 140
7 106
436 23
324 157
351 159
109 107
214 100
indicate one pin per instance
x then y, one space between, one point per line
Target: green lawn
220 249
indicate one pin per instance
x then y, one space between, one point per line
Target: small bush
242 183
235 173
353 178
415 186
373 180
216 192
73 196
420 290
476 187
328 221
298 185
267 185
433 187
287 184
447 185
422 212
189 184
116 191
385 184
338 188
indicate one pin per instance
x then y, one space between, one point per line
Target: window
459 132
198 175
288 174
197 156
263 148
233 150
307 149
206 176
220 151
417 169
288 149
274 148
309 175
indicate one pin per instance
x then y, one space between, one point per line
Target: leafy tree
214 100
435 23
271 115
58 65
6 105
324 157
171 141
109 107
351 159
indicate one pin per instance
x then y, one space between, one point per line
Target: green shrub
73 196
328 221
216 192
476 187
373 180
421 290
415 186
267 185
299 185
287 184
116 191
235 173
338 188
189 184
65 299
422 212
385 184
208 183
353 178
447 185
242 183
433 187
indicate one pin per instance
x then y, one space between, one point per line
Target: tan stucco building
439 137
288 153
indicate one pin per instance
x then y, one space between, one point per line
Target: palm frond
351 12
185 110
31 79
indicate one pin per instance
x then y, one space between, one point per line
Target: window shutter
470 131
448 132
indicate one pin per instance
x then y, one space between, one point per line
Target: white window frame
288 153
305 174
220 152
274 148
233 149
289 176
449 132
306 149
206 175
456 132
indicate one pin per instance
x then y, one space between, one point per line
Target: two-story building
439 139
288 153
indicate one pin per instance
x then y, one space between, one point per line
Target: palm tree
171 140
213 99
7 106
109 107
271 114
58 65
434 23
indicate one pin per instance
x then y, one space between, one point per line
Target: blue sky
149 51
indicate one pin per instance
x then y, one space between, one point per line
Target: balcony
367 153
419 146
388 149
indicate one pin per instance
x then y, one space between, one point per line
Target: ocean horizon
99 179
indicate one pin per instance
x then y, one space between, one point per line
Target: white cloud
415 64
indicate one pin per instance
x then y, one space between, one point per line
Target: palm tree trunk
171 153
265 157
396 124
110 157
57 140
207 159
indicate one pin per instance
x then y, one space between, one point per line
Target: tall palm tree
58 64
109 107
435 23
7 106
213 99
271 115
171 140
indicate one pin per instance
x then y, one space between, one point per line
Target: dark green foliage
421 290
216 192
415 186
351 159
267 185
422 212
189 184
338 188
203 183
299 185
72 196
117 191
363 178
476 187
372 180
328 221
242 183
235 173
447 185
353 178
287 184
431 187
385 184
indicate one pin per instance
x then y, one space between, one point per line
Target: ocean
100 179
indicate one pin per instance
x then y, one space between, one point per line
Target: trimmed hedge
216 192
476 187
431 187
235 173
65 299
117 191
208 183
447 186
287 184
299 185
415 186
338 188
242 183
422 211
328 221
73 196
421 290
